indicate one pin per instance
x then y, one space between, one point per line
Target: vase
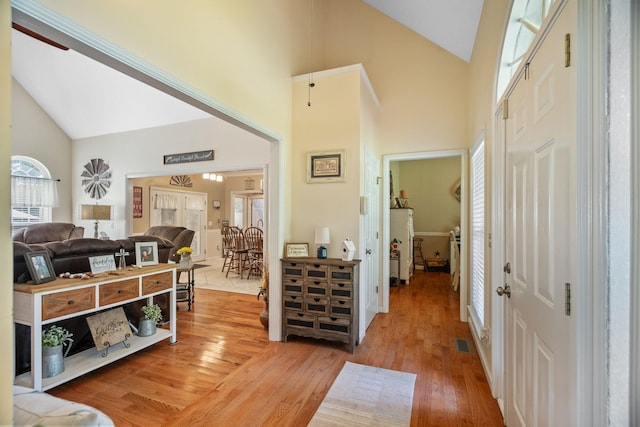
264 316
53 360
185 260
146 327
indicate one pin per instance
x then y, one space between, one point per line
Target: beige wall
428 184
423 90
327 125
6 248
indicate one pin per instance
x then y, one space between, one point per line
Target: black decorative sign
194 156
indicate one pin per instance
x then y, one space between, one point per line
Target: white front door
540 236
370 283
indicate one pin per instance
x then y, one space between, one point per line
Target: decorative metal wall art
96 178
181 181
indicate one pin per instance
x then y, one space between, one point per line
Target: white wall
37 136
140 153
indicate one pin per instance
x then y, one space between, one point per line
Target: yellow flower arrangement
185 250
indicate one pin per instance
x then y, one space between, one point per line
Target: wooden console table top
30 288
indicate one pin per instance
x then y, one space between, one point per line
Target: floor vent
462 346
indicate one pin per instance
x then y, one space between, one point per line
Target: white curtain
194 203
166 201
33 192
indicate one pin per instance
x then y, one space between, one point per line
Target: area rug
367 396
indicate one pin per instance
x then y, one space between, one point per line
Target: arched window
33 192
524 23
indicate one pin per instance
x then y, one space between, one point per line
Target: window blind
477 232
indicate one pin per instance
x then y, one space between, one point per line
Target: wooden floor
225 372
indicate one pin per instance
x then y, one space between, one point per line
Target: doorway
388 160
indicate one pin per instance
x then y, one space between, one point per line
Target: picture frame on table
326 166
296 250
40 267
146 253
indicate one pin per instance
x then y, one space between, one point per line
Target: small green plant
56 335
152 312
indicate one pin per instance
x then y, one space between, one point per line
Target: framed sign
102 263
40 267
146 253
194 156
137 202
109 328
326 166
296 250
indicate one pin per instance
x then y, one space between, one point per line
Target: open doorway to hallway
433 184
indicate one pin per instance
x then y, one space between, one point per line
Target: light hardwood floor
225 372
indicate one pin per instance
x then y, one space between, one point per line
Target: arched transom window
524 23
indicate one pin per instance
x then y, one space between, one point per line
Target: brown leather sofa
69 251
179 236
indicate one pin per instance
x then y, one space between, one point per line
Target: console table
40 305
320 299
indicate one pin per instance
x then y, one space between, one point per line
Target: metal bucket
146 327
53 361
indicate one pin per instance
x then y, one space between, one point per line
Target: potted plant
152 316
53 341
185 256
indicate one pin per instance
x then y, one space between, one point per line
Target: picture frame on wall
146 253
40 267
326 166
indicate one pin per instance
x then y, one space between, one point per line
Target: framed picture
146 253
326 166
296 250
137 202
102 263
109 328
40 267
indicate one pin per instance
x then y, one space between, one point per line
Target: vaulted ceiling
66 83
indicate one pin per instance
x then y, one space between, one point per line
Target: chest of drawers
320 299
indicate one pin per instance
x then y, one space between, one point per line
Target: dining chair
238 251
253 243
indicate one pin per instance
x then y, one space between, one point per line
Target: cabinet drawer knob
158 282
120 291
71 302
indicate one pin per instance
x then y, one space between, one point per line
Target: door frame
464 177
52 25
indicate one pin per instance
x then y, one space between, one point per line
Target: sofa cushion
86 246
48 232
168 232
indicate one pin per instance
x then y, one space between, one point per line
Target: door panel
371 228
540 237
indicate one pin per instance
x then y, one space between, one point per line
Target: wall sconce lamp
96 213
216 204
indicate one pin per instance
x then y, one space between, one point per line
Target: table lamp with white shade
322 239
